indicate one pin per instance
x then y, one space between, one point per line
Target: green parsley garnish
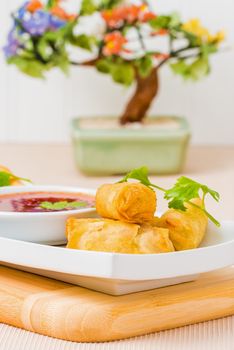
182 192
62 205
6 178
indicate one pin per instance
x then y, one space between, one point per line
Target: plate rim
114 263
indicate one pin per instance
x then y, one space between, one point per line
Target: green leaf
77 204
103 66
166 22
182 192
160 22
122 73
64 65
193 40
208 49
195 70
5 179
52 36
60 59
109 4
88 7
186 189
179 67
175 19
144 65
199 68
61 205
61 35
27 54
30 67
51 3
214 194
44 48
54 206
142 175
84 41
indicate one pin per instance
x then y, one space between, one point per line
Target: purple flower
13 44
22 10
11 49
36 23
56 23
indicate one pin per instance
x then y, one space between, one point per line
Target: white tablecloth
212 335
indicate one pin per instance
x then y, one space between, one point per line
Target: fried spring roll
115 236
186 228
129 202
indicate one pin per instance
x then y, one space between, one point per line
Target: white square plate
118 274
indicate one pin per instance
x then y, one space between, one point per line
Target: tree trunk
146 90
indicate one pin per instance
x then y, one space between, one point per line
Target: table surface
53 164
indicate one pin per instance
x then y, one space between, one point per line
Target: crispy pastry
129 202
186 228
115 236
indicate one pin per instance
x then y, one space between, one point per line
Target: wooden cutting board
69 312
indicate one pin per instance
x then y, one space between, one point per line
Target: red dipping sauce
38 202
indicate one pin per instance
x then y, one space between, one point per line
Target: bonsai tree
123 40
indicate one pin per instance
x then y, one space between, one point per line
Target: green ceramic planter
117 151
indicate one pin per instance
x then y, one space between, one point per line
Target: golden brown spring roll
153 240
129 202
186 228
115 236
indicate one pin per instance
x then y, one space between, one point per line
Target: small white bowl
43 227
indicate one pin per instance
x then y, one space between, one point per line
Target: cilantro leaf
186 189
213 193
77 204
182 192
61 205
6 178
140 174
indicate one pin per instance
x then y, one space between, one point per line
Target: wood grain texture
69 312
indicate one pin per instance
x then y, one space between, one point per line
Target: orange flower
115 18
114 43
160 32
34 5
148 16
132 13
60 13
